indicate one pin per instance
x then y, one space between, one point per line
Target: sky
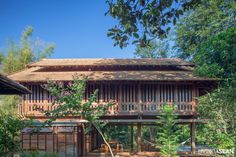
77 27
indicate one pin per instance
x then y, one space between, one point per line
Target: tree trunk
104 139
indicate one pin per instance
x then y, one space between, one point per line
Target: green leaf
136 35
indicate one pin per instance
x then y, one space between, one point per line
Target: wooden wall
132 97
66 141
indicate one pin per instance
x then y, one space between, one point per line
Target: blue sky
77 27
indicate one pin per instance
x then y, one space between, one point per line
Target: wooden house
139 88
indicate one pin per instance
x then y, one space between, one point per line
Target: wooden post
132 137
139 128
193 143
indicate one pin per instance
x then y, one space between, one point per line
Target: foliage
207 37
9 103
1 58
155 49
69 100
208 19
208 134
168 134
119 133
143 20
184 134
18 55
216 57
38 154
222 106
149 133
10 127
25 52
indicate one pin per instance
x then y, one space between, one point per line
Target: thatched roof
111 62
8 86
37 72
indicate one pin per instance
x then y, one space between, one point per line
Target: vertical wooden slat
40 94
127 92
105 92
65 144
57 139
115 92
166 93
30 141
162 93
176 96
73 136
33 94
101 93
190 93
181 94
150 93
194 99
122 92
53 140
37 141
120 97
186 92
130 92
146 93
108 92
158 95
22 140
139 97
36 94
45 138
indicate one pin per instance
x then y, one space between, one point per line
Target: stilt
193 142
131 137
139 128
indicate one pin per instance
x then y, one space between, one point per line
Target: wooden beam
139 140
193 134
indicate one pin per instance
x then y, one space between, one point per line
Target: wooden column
139 129
193 133
131 138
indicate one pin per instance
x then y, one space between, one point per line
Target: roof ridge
109 61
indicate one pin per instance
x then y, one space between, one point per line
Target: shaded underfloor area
138 140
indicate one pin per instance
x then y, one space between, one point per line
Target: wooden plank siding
129 98
62 140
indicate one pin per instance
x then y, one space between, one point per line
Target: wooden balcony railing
123 108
